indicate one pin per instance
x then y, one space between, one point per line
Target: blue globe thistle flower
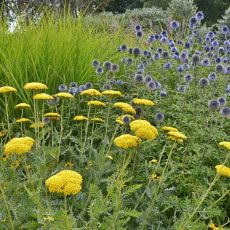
205 62
123 47
180 42
204 82
167 65
148 78
54 101
218 60
160 50
181 88
200 15
72 91
225 60
138 110
151 85
138 27
176 57
99 70
82 88
227 42
126 120
193 21
145 63
222 101
73 84
140 71
171 43
184 55
187 45
120 82
221 49
185 66
173 49
151 38
62 88
212 77
210 35
213 105
210 54
215 43
164 40
174 25
188 78
157 55
159 117
139 34
220 68
136 51
157 36
180 68
114 68
164 33
207 48
89 85
146 53
141 66
95 63
46 120
195 59
165 54
107 65
225 112
163 93
107 86
158 84
225 29
139 78
227 70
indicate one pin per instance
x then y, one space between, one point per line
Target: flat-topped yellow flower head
125 107
35 86
80 118
96 103
7 89
91 92
169 128
126 141
42 96
225 144
52 115
177 134
139 101
112 93
223 170
37 125
97 120
22 106
64 95
23 120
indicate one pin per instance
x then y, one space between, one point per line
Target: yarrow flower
127 141
67 182
37 125
96 103
23 120
125 107
7 89
140 101
223 170
97 120
42 96
35 86
169 128
91 92
52 115
22 106
225 144
64 95
112 93
80 118
176 136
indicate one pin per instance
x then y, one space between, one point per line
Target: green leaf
133 213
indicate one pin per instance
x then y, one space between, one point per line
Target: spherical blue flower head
164 33
215 43
146 53
164 40
210 54
174 25
180 42
139 34
138 111
227 70
227 42
107 65
221 49
163 93
207 48
204 82
72 91
226 60
130 50
225 111
180 68
89 85
195 59
46 120
151 38
123 47
54 101
185 66
176 57
205 62
139 78
165 54
213 105
181 88
138 27
187 45
99 70
222 101
173 49
159 117
141 66
167 65
126 120
184 55
145 63
120 82
95 63
107 86
220 68
151 85
158 84
136 51
225 29
193 21
157 36
82 87
114 68
188 78
73 84
199 39
212 77
157 55
218 60
200 15
128 61
62 88
160 50
210 35
148 78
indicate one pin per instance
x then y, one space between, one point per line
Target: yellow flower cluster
64 95
120 121
23 120
2 133
96 103
174 134
67 182
7 89
35 86
91 92
112 93
223 170
22 106
139 101
214 227
80 118
143 129
126 141
125 107
225 144
18 145
37 125
51 115
42 96
97 120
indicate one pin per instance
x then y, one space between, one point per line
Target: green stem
7 115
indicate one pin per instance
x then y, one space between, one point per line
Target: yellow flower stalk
146 102
35 86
